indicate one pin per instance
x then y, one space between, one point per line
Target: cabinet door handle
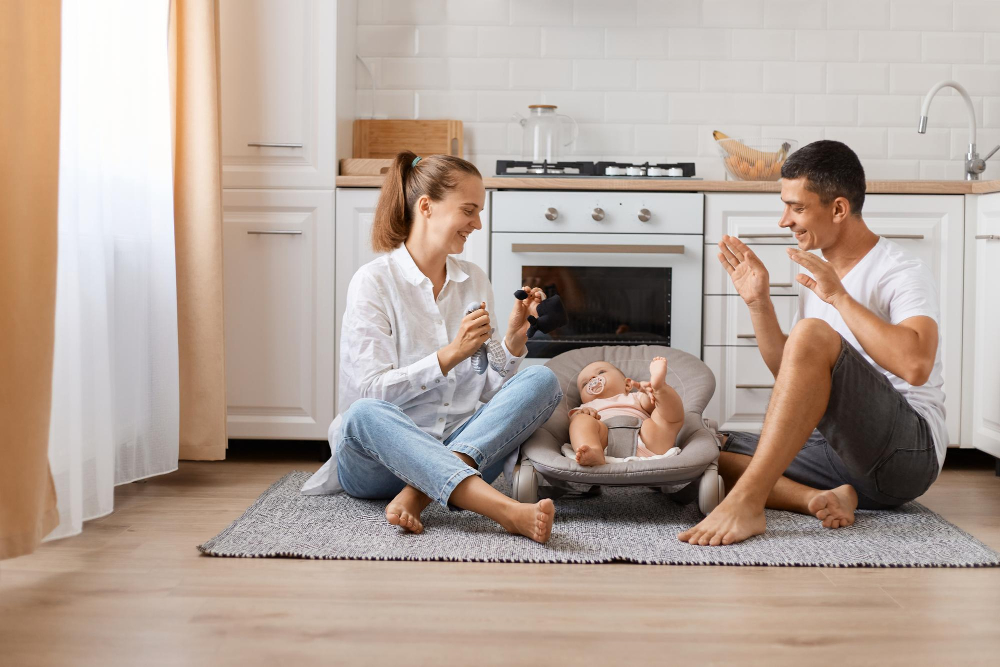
988 237
779 284
570 247
288 232
755 386
915 237
764 236
745 336
273 145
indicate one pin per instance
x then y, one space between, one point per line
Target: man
861 365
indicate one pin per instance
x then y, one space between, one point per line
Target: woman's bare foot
404 510
728 523
534 521
657 373
835 508
589 455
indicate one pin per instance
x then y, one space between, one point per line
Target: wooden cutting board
385 138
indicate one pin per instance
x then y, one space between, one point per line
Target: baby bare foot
657 373
404 510
728 523
835 508
589 455
534 521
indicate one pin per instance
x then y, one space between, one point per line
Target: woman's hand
517 325
472 333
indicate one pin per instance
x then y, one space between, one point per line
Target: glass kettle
545 133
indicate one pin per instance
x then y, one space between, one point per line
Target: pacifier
596 385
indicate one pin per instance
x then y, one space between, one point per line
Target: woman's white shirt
391 333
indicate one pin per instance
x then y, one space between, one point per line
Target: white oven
627 266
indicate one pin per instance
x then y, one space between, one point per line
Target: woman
411 428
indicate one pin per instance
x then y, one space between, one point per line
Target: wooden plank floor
132 590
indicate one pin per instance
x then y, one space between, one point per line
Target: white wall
650 79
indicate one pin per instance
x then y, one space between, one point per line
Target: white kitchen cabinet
929 226
278 248
727 319
355 214
743 386
981 419
278 81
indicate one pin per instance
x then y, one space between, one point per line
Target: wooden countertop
644 185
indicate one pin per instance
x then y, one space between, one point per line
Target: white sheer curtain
115 406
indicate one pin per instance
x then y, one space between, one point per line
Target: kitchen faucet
974 165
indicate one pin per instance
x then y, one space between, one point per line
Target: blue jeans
382 450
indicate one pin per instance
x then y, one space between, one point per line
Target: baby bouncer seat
543 470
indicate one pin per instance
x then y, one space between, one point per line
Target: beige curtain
29 181
194 71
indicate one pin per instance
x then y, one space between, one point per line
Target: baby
606 392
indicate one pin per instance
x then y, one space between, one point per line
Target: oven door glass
604 306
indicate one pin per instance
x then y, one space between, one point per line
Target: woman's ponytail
405 182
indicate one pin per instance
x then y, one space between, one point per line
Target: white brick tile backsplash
920 14
909 79
604 74
668 75
603 13
867 142
666 139
584 107
500 106
986 139
538 74
514 41
732 13
826 110
572 42
981 15
763 45
630 107
952 47
732 76
699 44
794 77
479 12
828 46
446 104
675 13
635 43
386 40
889 47
650 79
801 14
446 40
857 15
857 78
538 12
906 143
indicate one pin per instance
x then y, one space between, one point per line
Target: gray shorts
869 437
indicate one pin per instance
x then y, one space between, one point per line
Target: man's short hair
831 170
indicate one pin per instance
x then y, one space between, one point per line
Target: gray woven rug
630 525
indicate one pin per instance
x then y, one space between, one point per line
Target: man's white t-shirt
896 286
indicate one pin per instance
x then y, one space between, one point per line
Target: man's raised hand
745 269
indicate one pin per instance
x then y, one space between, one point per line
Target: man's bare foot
835 508
589 455
534 521
728 523
657 373
404 510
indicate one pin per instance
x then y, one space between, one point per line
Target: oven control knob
644 215
598 214
551 213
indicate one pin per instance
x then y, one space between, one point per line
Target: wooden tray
364 167
385 138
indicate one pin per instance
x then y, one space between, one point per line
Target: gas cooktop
680 170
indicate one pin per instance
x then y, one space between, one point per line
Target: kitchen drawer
742 388
780 268
669 213
727 319
752 217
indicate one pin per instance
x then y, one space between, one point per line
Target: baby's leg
659 432
589 437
